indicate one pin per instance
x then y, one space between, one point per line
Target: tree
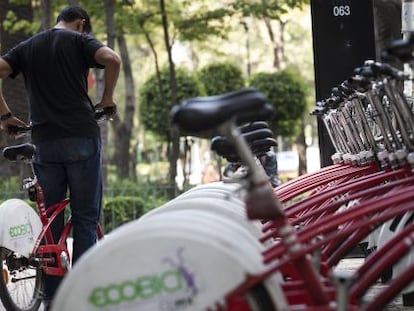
270 11
117 23
155 107
287 92
154 111
387 17
174 136
184 21
123 129
221 78
16 25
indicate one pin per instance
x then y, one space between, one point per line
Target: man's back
55 65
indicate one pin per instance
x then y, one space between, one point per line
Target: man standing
55 65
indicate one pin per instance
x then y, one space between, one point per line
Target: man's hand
108 110
11 123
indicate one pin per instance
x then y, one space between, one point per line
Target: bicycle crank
5 276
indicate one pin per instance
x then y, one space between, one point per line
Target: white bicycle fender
19 226
158 265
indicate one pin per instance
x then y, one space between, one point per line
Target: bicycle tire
20 289
259 299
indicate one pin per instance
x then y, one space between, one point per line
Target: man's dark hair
74 12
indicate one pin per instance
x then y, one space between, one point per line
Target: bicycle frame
305 239
61 256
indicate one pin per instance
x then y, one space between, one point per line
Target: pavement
351 264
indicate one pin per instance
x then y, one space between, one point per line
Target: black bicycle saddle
19 152
202 114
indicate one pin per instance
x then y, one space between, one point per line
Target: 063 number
341 10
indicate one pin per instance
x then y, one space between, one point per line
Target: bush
126 200
219 78
155 107
11 188
123 201
286 91
120 210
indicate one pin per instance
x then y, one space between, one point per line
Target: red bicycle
188 256
27 248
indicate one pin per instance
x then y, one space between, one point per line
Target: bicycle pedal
35 262
64 260
6 276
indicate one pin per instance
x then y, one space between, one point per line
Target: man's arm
5 71
107 57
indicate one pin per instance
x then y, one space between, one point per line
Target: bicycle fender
164 263
19 226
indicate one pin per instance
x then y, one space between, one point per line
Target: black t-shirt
55 65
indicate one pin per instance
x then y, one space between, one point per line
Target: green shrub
286 91
155 107
123 201
221 78
119 210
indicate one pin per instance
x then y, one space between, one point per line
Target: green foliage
11 188
126 200
13 24
155 107
273 9
121 209
286 91
220 78
193 25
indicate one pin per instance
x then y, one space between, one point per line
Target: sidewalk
353 263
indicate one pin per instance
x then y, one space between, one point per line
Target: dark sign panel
343 38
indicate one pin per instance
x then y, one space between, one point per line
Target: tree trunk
175 137
110 33
275 45
46 9
278 45
387 17
13 89
123 129
301 146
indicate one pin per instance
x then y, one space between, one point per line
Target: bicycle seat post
343 280
230 131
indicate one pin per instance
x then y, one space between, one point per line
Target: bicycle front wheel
20 284
259 299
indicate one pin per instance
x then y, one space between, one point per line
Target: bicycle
196 259
171 274
27 248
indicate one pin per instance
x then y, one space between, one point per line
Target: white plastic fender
19 226
227 186
163 263
408 259
203 221
223 207
211 192
385 232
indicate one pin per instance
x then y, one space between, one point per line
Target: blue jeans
73 164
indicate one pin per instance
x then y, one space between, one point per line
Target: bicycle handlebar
101 114
18 131
105 113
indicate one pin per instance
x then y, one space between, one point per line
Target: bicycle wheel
259 299
20 283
